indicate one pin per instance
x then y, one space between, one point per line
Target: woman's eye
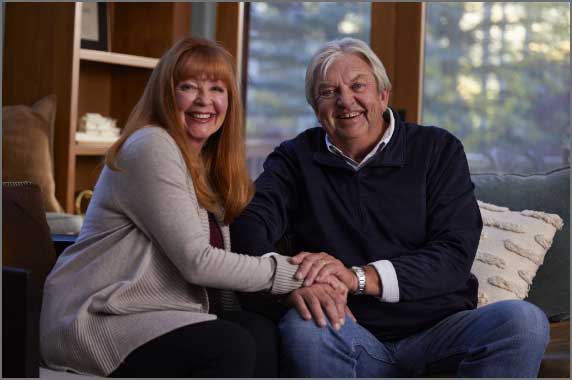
218 89
186 87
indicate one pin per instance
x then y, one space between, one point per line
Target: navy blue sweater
413 204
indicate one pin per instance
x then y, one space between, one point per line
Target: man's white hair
330 52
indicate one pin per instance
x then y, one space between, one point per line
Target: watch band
360 274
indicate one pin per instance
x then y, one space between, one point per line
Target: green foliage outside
283 37
496 74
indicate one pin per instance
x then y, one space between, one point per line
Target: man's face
349 106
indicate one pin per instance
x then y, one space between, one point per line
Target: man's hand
320 300
321 266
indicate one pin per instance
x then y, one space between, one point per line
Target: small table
62 241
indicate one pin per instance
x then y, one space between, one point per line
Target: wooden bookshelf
42 56
91 149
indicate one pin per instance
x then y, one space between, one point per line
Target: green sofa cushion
549 192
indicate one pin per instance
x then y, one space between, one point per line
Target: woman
129 298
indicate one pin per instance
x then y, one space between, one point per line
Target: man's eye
358 86
327 92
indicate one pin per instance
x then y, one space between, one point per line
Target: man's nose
345 98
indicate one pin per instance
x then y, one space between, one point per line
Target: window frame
406 20
388 20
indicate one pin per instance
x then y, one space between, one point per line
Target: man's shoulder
427 130
427 134
306 141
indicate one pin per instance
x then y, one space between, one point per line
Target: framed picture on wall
94 25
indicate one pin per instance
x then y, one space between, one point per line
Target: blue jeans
503 339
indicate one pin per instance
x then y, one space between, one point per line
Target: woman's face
201 106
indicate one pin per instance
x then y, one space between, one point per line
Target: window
282 38
497 75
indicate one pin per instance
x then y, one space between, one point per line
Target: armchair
28 255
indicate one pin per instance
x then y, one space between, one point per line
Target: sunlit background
283 37
497 75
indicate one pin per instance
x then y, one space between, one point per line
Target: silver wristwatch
360 274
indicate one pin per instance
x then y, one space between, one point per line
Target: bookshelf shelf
91 149
118 58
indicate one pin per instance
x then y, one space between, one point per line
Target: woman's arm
155 191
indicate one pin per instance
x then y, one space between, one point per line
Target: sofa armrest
556 360
20 312
561 317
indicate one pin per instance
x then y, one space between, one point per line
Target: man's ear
384 98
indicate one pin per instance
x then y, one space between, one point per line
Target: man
392 204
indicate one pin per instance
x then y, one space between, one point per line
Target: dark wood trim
244 67
232 27
228 28
397 37
182 13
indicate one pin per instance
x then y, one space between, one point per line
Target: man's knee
295 329
523 319
312 351
301 338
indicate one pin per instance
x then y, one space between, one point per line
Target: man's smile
349 115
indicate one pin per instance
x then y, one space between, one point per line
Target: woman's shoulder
150 135
149 140
150 144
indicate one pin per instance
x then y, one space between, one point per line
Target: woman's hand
320 267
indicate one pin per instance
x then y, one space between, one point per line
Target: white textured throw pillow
512 247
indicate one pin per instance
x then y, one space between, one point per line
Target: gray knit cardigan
141 263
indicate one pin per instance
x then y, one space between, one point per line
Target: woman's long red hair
219 171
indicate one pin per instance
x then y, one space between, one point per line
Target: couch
550 290
549 192
28 253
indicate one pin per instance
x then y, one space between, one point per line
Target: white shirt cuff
388 276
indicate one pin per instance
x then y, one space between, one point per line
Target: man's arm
264 221
454 225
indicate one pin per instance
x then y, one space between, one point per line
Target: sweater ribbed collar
392 154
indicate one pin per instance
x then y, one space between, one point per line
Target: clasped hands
326 285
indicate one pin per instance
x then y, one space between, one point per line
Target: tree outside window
498 76
283 37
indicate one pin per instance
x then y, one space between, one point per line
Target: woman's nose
202 97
